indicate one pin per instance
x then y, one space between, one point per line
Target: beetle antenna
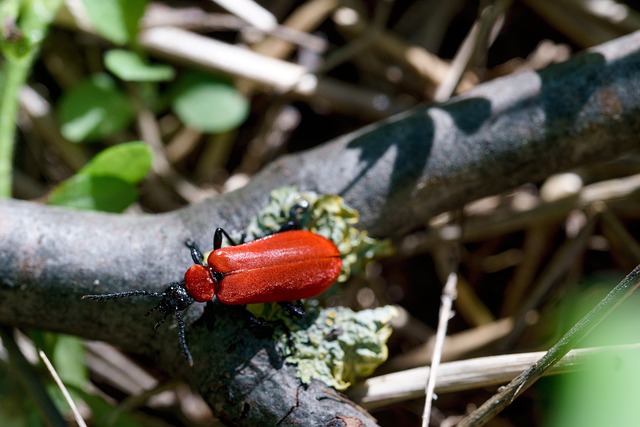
161 321
151 310
175 298
123 295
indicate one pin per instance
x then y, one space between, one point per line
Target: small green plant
23 26
108 182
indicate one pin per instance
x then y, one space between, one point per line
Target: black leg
217 238
254 322
196 253
160 322
297 209
209 313
292 309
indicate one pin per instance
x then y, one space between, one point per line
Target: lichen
335 345
341 345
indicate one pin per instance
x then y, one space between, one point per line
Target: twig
63 389
610 13
560 263
461 375
251 12
508 394
425 64
619 237
25 373
356 46
303 20
39 111
448 296
470 306
187 47
149 131
573 20
482 226
456 345
533 248
476 43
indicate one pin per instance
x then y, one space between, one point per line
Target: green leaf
107 182
129 162
68 358
131 67
605 390
116 20
93 110
209 104
100 193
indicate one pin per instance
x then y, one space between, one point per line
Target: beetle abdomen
288 282
286 266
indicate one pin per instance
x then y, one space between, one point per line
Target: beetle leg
292 309
209 312
196 253
254 322
181 334
162 319
217 238
297 209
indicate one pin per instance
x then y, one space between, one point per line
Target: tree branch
397 173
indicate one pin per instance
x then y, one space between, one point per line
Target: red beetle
286 266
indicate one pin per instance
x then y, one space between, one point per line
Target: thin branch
448 296
251 12
475 44
74 409
461 375
562 260
570 340
27 376
187 47
482 226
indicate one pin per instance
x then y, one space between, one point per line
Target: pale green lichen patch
340 346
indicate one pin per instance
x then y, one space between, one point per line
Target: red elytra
285 266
